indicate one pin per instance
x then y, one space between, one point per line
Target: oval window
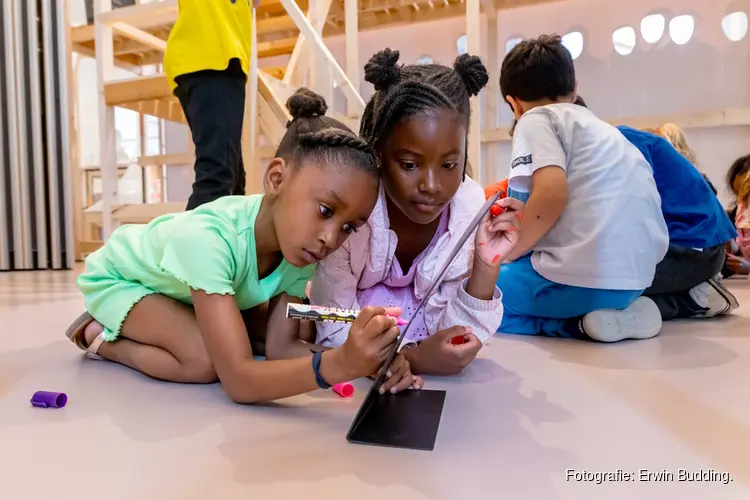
623 40
573 41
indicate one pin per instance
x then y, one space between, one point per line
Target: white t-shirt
612 232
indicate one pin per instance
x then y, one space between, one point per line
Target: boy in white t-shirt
593 230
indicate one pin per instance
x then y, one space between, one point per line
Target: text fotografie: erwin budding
648 475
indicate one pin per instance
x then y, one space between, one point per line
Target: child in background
677 138
687 283
742 221
418 123
738 172
592 223
165 298
206 63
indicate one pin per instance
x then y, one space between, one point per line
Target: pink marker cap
344 389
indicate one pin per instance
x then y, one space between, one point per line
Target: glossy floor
525 413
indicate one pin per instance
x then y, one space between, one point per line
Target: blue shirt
693 213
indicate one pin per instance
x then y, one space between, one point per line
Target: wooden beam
169 110
74 158
270 124
141 88
107 147
250 120
273 99
321 79
730 117
129 63
474 46
276 48
275 71
168 159
351 28
140 36
344 84
298 65
139 12
489 98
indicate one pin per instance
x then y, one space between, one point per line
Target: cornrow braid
335 138
403 91
312 136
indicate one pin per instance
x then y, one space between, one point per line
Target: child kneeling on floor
165 298
592 223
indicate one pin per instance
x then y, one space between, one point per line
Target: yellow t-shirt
207 35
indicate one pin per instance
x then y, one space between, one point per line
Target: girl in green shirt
165 298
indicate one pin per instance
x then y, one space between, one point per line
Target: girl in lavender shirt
418 123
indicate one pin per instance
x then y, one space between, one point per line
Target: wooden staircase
134 39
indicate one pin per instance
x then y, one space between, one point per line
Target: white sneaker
641 320
714 297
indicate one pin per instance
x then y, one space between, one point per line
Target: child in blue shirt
687 282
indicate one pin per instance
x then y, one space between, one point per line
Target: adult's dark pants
680 270
214 105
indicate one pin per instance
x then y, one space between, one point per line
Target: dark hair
402 91
538 68
741 166
312 135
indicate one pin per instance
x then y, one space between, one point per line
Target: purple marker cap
44 399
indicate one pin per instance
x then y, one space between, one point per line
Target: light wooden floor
514 422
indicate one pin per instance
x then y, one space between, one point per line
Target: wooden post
250 123
351 27
474 47
75 158
321 80
107 146
299 62
312 36
491 96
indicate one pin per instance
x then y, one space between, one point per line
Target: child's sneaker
714 298
641 320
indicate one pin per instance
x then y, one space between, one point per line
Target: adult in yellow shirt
207 62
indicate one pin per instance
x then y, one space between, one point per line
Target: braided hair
403 91
312 136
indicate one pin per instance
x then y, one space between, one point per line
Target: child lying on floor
592 232
165 298
418 122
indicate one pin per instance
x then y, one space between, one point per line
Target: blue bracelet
316 369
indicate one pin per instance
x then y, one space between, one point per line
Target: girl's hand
735 264
370 338
496 236
438 355
399 377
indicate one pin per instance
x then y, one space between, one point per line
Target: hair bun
305 104
381 70
472 72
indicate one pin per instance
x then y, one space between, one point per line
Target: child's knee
199 369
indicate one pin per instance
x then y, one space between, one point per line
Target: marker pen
320 313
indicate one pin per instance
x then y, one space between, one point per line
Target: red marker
458 340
